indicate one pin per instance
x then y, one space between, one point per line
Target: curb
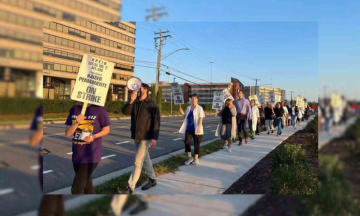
109 176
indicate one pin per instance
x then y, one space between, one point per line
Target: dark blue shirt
190 122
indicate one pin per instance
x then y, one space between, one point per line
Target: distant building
252 90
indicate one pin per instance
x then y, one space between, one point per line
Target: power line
155 14
184 73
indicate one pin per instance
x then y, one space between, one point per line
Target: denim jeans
142 157
279 126
293 120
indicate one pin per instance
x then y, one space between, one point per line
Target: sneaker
268 132
229 150
187 163
142 206
151 183
280 133
225 146
272 131
240 143
252 138
195 162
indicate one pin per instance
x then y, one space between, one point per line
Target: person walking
286 114
227 125
87 131
145 129
244 113
269 117
289 113
294 114
279 113
192 127
261 114
254 120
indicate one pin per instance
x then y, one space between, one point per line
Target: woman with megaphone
145 129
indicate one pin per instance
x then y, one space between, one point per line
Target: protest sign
277 98
227 95
92 82
262 99
272 98
177 93
217 100
299 102
336 100
255 98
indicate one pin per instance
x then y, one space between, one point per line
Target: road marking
207 126
48 171
35 167
6 191
108 156
213 130
177 139
176 132
70 153
119 143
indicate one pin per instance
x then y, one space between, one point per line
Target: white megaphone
134 84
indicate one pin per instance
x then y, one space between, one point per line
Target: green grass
170 165
16 118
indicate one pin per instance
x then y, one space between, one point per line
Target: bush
312 126
333 197
353 132
295 178
18 105
58 106
288 154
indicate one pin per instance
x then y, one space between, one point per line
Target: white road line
176 132
119 143
108 156
208 127
213 130
35 167
48 171
177 139
6 191
70 153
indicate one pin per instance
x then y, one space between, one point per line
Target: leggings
189 135
82 181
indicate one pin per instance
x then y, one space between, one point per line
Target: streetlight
167 55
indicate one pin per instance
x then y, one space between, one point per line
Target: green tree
109 94
153 94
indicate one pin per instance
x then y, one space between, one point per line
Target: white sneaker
195 162
225 146
187 163
229 150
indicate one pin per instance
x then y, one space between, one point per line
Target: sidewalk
338 131
200 205
218 171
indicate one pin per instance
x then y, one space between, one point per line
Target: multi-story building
204 90
21 38
252 90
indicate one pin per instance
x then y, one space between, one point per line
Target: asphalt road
118 149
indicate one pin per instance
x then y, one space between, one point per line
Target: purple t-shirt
37 122
95 119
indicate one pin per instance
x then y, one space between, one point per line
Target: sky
338 29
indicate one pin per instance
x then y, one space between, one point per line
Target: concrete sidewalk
218 171
338 131
200 205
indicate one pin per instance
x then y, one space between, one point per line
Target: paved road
19 184
118 149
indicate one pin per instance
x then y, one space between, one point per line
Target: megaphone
134 84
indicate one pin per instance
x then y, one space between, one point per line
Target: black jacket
279 112
289 110
268 113
145 119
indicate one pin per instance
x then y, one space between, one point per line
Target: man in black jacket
145 128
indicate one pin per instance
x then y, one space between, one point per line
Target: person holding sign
255 118
227 126
145 129
244 113
193 128
87 131
279 113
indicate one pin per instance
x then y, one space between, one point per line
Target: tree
153 94
109 94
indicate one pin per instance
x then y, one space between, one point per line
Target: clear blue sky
338 30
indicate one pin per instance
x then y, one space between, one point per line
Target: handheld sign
177 93
217 100
227 95
336 100
92 82
262 98
272 97
255 98
277 98
299 102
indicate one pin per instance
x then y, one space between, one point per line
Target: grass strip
170 165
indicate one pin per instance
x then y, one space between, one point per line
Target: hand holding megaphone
133 96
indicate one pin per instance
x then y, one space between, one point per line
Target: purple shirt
95 119
37 122
243 107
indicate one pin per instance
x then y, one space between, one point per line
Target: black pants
52 205
82 181
258 127
197 140
241 123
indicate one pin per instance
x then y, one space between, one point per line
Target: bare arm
71 129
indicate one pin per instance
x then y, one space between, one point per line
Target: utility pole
256 83
154 13
211 71
291 95
159 47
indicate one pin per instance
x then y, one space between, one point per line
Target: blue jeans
279 126
293 120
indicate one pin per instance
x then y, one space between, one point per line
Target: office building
252 90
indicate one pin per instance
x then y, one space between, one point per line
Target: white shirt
198 113
285 110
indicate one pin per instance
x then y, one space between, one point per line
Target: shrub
312 126
353 132
18 105
288 154
295 178
333 197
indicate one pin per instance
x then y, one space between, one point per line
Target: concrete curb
70 204
108 177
